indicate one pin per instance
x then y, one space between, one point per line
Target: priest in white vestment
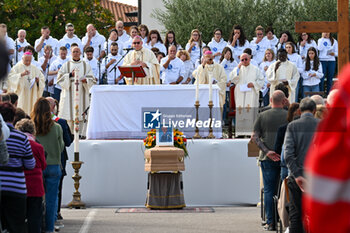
209 68
145 58
283 71
27 81
248 80
65 79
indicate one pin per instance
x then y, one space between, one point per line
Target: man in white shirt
45 62
9 43
53 71
20 43
173 69
69 38
45 39
97 68
122 35
94 39
113 75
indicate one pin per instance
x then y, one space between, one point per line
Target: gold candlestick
76 203
211 135
196 135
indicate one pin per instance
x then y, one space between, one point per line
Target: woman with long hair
143 29
284 38
227 61
305 42
194 46
328 48
237 42
113 37
171 40
49 134
312 72
217 44
154 40
295 58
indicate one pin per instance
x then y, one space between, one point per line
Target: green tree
31 15
184 15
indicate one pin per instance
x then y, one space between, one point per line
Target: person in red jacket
34 178
326 203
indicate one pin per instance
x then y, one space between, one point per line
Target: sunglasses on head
244 59
136 42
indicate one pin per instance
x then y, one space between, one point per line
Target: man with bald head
123 37
144 57
248 80
94 39
65 78
27 81
20 42
172 67
208 69
265 130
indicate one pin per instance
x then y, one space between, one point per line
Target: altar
218 172
118 111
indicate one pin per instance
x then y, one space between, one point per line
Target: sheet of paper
32 83
244 88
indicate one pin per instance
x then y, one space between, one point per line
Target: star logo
156 115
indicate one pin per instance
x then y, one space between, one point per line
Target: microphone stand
99 63
106 58
115 66
16 51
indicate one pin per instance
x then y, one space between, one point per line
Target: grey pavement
238 219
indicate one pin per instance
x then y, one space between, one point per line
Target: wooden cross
248 108
341 27
240 110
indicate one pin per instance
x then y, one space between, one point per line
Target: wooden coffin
164 158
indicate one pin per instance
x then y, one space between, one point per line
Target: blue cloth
270 171
315 88
52 176
57 94
226 106
328 68
299 89
68 139
284 168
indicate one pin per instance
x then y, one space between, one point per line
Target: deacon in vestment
210 68
248 80
27 81
65 79
283 71
145 58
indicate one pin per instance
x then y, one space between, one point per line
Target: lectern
132 72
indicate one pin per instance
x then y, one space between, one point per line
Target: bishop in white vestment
27 81
145 58
248 80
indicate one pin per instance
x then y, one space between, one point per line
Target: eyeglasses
244 59
218 34
136 42
195 35
70 30
259 34
210 59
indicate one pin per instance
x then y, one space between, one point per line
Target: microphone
128 49
107 26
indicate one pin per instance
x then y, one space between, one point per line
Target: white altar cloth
116 110
218 172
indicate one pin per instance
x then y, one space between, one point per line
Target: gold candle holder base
76 203
196 135
210 135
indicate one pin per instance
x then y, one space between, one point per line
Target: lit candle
210 87
76 111
197 90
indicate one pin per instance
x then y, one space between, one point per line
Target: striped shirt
20 157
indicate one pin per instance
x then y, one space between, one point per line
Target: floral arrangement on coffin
180 140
